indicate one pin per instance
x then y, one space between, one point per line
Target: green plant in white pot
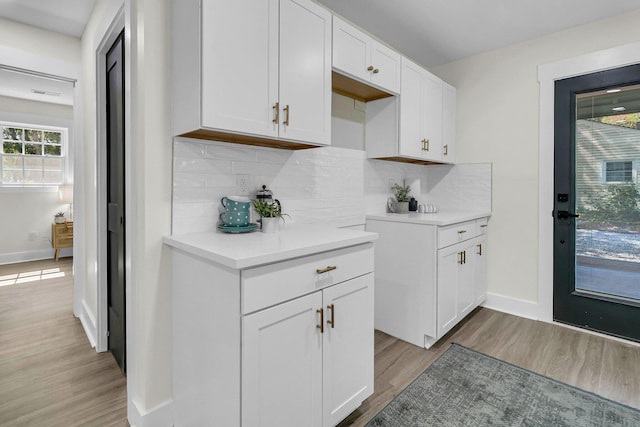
270 215
401 193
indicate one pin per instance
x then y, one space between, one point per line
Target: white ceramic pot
271 225
59 219
402 207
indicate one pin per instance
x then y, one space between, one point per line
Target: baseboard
515 306
160 415
16 257
89 324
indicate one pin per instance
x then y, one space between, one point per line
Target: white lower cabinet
283 344
428 277
309 362
461 282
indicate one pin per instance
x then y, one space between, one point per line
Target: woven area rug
466 388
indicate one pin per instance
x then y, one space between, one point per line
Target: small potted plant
401 192
270 214
59 218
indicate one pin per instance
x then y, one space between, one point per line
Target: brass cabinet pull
376 71
480 249
331 321
483 225
370 68
464 257
286 117
446 150
321 325
462 231
326 269
276 108
425 145
460 258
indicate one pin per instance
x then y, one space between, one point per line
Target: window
616 172
32 156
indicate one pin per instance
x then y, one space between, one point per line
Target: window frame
634 172
64 155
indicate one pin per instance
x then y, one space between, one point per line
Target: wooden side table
61 236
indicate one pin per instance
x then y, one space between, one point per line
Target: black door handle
566 215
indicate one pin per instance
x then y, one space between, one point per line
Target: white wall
30 210
497 122
44 51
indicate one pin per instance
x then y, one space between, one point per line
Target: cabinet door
351 50
449 266
305 72
466 297
448 123
348 347
282 365
239 65
411 121
386 67
432 115
480 270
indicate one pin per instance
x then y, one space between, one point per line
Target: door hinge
107 333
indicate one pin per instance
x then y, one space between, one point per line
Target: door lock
566 215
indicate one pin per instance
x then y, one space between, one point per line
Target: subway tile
188 149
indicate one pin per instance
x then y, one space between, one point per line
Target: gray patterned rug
467 388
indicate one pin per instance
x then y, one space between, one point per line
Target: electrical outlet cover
243 184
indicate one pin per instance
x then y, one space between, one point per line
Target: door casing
547 75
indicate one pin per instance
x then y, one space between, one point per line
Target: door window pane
607 193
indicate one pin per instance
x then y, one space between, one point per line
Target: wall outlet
32 236
243 184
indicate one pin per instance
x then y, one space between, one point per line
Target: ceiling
435 32
61 16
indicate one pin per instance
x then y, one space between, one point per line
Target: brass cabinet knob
376 71
370 68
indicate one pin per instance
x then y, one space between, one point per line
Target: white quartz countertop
248 250
440 218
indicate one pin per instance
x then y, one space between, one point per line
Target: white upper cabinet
420 113
419 125
256 71
448 123
358 55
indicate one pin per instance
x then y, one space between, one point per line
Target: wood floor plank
49 373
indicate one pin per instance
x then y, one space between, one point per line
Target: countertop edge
430 219
240 263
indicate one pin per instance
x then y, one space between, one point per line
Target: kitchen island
272 329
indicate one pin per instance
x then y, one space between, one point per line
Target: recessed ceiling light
618 109
614 90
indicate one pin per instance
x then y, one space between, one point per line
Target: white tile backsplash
331 185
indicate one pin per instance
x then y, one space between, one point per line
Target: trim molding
16 257
88 323
510 305
160 415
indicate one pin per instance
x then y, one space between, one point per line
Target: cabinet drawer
481 226
450 234
274 283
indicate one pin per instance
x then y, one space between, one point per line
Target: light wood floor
49 374
600 365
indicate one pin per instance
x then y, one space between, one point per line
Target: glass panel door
597 202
